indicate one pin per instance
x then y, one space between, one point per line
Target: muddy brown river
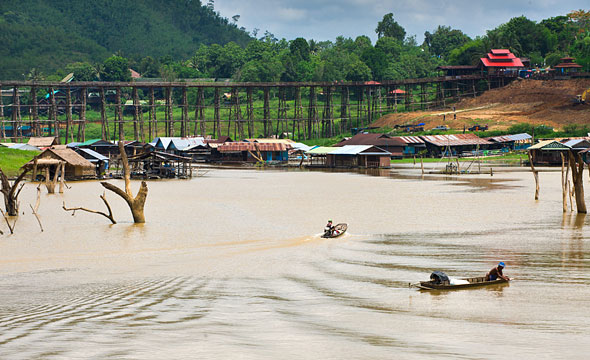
232 266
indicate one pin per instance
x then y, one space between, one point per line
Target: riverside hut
243 151
76 167
367 156
383 141
318 155
547 152
43 142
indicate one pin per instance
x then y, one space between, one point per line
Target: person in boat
329 229
496 273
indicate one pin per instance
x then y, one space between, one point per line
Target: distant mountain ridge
46 35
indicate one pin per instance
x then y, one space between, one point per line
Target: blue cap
501 264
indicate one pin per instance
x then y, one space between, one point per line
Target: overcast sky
327 19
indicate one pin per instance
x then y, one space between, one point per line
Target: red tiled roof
397 91
501 57
500 51
513 63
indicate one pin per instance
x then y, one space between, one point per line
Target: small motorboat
454 284
339 229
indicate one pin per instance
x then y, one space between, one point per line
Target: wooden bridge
301 110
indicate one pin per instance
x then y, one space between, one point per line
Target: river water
231 265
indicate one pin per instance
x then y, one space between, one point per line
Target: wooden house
366 156
76 167
567 66
548 152
382 141
510 142
412 145
254 152
318 156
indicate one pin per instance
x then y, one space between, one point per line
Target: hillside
49 34
536 102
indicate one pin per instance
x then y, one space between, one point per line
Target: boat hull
339 230
472 282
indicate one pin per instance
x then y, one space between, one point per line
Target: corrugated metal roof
94 154
411 139
455 140
549 145
578 143
509 138
359 150
322 150
24 147
371 139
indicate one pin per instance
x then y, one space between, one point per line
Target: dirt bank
538 102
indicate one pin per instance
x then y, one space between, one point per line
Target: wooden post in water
535 174
564 182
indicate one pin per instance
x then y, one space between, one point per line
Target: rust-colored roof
455 140
567 65
410 139
247 146
371 139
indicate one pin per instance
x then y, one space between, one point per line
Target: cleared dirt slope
538 102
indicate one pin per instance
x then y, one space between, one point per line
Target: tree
376 60
299 49
389 27
443 40
116 68
83 71
149 67
137 203
10 192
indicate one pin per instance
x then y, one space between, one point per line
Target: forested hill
47 35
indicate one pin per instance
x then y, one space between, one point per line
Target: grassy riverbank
11 160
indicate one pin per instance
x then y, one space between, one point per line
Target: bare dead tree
103 197
11 193
576 163
137 203
10 227
36 208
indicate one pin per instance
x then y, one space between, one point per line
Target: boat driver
496 273
329 229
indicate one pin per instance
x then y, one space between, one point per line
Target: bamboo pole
535 174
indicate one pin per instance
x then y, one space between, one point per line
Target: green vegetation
12 159
48 35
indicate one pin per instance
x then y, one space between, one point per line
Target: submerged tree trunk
577 165
10 192
536 174
136 204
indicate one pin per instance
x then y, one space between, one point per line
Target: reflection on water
233 265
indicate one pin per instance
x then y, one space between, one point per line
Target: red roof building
500 59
